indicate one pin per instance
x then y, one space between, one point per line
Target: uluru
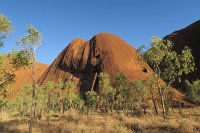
188 36
81 61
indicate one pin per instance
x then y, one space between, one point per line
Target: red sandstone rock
105 52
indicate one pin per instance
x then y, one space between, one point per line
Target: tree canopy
5 28
167 64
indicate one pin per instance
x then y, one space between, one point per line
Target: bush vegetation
193 90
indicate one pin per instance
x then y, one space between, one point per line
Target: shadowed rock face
188 36
81 60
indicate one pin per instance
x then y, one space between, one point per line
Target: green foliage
31 41
7 75
5 28
137 95
169 65
73 99
19 59
104 83
3 102
158 47
151 81
5 24
139 90
9 63
41 99
10 105
107 92
23 98
60 96
49 86
187 61
64 96
71 96
121 84
77 102
50 96
174 66
193 90
123 88
91 99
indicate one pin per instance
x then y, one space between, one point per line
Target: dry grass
185 121
69 124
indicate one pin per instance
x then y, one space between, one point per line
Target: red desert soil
188 36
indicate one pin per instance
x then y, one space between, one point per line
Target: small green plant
193 90
92 99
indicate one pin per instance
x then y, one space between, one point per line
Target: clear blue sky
59 21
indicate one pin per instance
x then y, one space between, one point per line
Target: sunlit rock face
81 60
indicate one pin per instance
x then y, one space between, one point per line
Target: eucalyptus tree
29 43
77 102
5 28
139 93
107 92
71 94
92 99
23 98
73 100
168 65
151 83
41 101
123 88
67 97
61 94
11 62
49 92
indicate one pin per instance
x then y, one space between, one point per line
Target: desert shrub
91 99
193 90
